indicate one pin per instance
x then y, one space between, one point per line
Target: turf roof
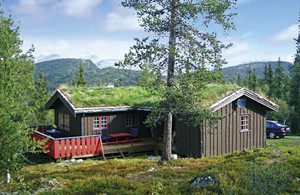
133 96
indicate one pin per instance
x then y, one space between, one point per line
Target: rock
151 169
153 157
79 161
174 156
203 181
53 182
73 160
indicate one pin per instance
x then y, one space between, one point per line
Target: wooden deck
140 146
88 146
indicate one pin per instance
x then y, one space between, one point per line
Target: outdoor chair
134 132
105 138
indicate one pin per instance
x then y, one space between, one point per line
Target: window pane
103 121
128 122
96 122
244 122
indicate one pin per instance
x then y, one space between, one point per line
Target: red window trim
249 122
100 122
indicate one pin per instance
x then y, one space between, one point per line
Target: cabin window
64 121
131 120
100 122
60 120
245 122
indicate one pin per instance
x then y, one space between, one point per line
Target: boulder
203 181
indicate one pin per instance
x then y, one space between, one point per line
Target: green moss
214 92
102 96
274 169
133 96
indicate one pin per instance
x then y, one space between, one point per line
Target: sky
104 30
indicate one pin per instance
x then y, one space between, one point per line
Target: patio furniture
117 136
134 132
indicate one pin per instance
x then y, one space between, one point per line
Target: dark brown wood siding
188 140
74 122
227 137
116 123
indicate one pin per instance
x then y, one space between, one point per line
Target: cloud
238 48
29 7
79 8
121 19
119 22
94 49
74 8
287 34
289 58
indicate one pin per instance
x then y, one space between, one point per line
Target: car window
271 125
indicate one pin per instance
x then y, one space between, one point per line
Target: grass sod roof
82 97
133 96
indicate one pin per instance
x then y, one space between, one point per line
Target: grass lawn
272 170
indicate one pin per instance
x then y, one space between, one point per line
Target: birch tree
17 87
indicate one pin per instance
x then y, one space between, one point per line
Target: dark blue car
275 129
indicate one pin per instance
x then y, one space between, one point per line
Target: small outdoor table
116 136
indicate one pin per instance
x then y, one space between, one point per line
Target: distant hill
231 73
60 71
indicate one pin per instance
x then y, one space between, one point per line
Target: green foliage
60 71
283 115
294 100
40 97
17 87
271 170
251 82
184 57
229 73
135 96
117 96
80 78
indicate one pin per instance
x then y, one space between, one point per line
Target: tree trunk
7 175
167 150
170 83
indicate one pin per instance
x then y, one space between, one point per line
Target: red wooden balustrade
70 147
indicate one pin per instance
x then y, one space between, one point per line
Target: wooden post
55 149
101 148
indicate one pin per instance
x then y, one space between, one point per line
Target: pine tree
184 56
17 87
295 85
252 79
239 80
73 80
278 83
268 79
40 99
81 82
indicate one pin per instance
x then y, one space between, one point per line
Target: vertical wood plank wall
75 129
227 137
188 142
116 123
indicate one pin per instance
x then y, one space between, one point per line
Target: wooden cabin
113 110
81 118
243 126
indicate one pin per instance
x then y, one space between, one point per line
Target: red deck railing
71 147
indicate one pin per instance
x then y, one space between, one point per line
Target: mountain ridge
60 71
